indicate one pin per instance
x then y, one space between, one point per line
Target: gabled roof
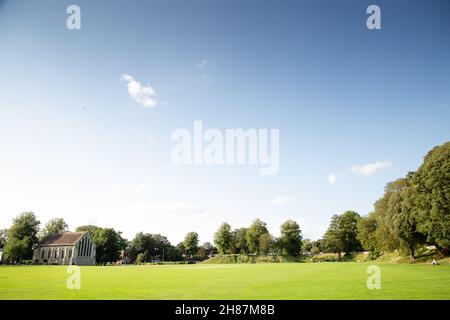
63 239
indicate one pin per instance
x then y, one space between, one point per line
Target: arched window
63 252
49 252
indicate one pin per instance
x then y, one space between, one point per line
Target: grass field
258 281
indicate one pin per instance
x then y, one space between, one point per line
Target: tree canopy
291 238
54 226
254 232
22 237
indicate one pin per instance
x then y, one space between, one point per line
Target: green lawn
258 281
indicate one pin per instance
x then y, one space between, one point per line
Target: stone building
68 248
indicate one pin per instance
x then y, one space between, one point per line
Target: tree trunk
442 251
411 253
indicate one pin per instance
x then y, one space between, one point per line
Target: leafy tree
180 248
367 227
173 254
140 259
17 250
386 239
317 246
431 197
256 229
108 242
239 242
266 243
92 229
341 235
22 237
403 220
306 246
54 226
153 246
291 238
223 238
3 237
190 243
209 248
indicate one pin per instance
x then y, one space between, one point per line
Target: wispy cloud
173 209
371 168
141 188
284 199
202 64
142 94
331 178
115 187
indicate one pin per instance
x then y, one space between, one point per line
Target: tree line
413 211
24 235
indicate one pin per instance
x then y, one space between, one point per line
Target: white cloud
115 187
141 188
202 64
371 168
174 209
142 94
331 178
284 199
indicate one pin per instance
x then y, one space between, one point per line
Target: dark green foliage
291 238
22 237
152 247
240 244
190 244
223 239
54 226
256 229
108 241
3 237
431 197
341 235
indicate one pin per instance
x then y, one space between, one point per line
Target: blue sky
75 144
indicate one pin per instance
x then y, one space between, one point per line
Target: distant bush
140 258
242 258
324 257
171 262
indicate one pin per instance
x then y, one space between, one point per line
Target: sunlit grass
258 281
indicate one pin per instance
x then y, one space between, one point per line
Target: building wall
82 253
54 254
85 252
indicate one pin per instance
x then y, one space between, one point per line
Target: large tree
256 229
431 197
190 243
22 237
341 235
54 226
403 220
152 246
291 238
3 237
223 238
367 227
384 236
240 244
266 243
